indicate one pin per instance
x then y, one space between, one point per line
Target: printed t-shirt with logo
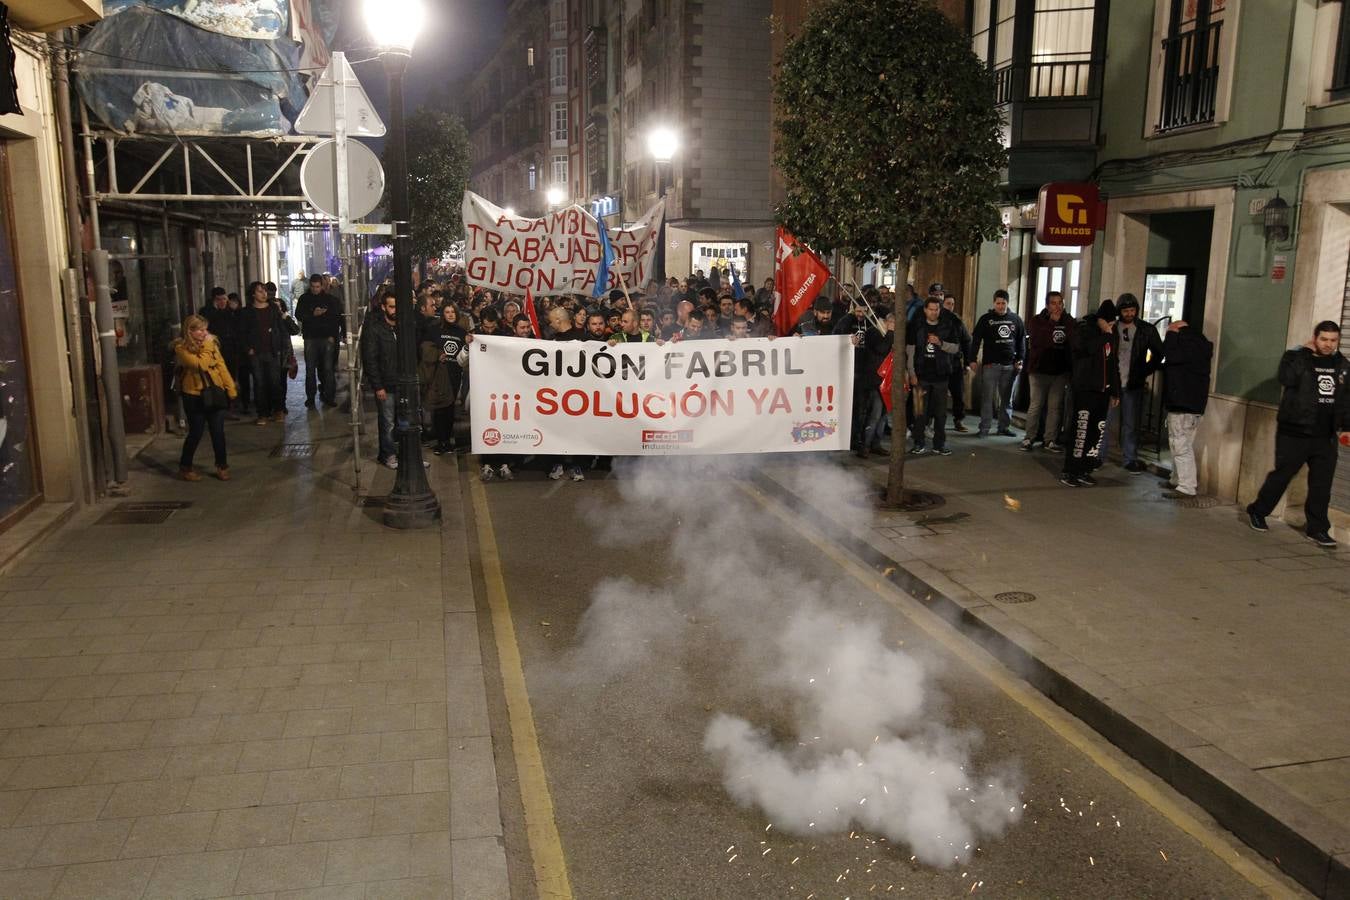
1325 377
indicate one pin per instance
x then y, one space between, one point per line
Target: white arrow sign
317 116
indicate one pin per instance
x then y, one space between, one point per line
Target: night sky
459 36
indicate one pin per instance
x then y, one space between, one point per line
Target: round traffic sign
365 179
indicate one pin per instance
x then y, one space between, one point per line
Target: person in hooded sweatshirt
1187 355
1096 388
1314 412
1000 340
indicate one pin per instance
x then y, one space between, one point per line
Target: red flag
886 370
534 316
799 277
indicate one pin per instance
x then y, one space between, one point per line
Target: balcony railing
1190 77
1047 80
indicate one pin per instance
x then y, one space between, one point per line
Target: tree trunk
895 475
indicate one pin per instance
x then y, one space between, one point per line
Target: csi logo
1005 330
1326 385
1058 336
492 437
655 436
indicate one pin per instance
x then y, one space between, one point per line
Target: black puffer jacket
1186 358
1094 359
1309 381
379 354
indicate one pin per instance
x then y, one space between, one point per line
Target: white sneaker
577 476
505 472
391 462
556 473
486 473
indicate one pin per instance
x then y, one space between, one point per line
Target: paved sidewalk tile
251 698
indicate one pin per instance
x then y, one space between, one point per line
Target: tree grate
293 451
1014 597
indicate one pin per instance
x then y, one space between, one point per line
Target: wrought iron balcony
1190 77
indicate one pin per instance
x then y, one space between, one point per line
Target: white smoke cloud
865 745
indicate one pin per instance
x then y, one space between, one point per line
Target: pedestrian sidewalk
264 691
1213 654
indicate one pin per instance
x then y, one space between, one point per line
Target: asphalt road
696 585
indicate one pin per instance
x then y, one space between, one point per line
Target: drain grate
148 512
1014 597
372 501
293 451
1200 502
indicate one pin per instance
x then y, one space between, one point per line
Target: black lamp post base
413 511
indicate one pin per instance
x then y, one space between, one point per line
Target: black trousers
956 386
934 412
1292 453
199 420
1086 427
269 383
443 424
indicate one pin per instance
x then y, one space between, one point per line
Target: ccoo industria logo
809 432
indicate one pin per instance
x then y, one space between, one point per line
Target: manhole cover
1014 597
293 451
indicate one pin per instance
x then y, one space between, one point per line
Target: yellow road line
550 867
1058 720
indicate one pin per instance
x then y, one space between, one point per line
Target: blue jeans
321 369
268 383
200 421
384 417
995 382
874 424
1127 414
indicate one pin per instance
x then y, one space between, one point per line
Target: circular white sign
365 179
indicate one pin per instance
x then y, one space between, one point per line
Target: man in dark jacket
999 339
222 320
932 339
1314 410
1140 356
1186 359
321 318
379 359
1048 362
267 341
956 382
1096 388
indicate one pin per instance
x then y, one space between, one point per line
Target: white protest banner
752 395
558 254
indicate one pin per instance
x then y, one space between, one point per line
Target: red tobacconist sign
1068 213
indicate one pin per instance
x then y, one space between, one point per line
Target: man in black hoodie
1000 340
1186 359
932 338
1314 410
321 318
1096 388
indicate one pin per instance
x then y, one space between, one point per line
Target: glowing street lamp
662 143
555 196
394 24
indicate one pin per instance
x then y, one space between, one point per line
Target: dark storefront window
147 308
19 487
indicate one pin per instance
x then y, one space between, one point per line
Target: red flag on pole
534 316
886 370
799 276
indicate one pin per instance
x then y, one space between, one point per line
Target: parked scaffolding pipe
84 393
103 318
351 297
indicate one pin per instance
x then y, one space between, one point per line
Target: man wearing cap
821 320
1096 388
1141 351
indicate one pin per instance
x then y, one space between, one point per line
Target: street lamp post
411 504
555 197
662 143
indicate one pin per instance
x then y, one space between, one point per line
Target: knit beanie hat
1107 311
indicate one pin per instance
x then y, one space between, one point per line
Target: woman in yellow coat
201 370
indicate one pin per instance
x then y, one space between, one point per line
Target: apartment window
557 19
1340 72
558 69
560 122
532 178
560 168
991 30
1061 48
1190 63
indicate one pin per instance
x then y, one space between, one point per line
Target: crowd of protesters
1083 377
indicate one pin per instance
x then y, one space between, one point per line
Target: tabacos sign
1069 213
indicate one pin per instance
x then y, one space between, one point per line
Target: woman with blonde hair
207 388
